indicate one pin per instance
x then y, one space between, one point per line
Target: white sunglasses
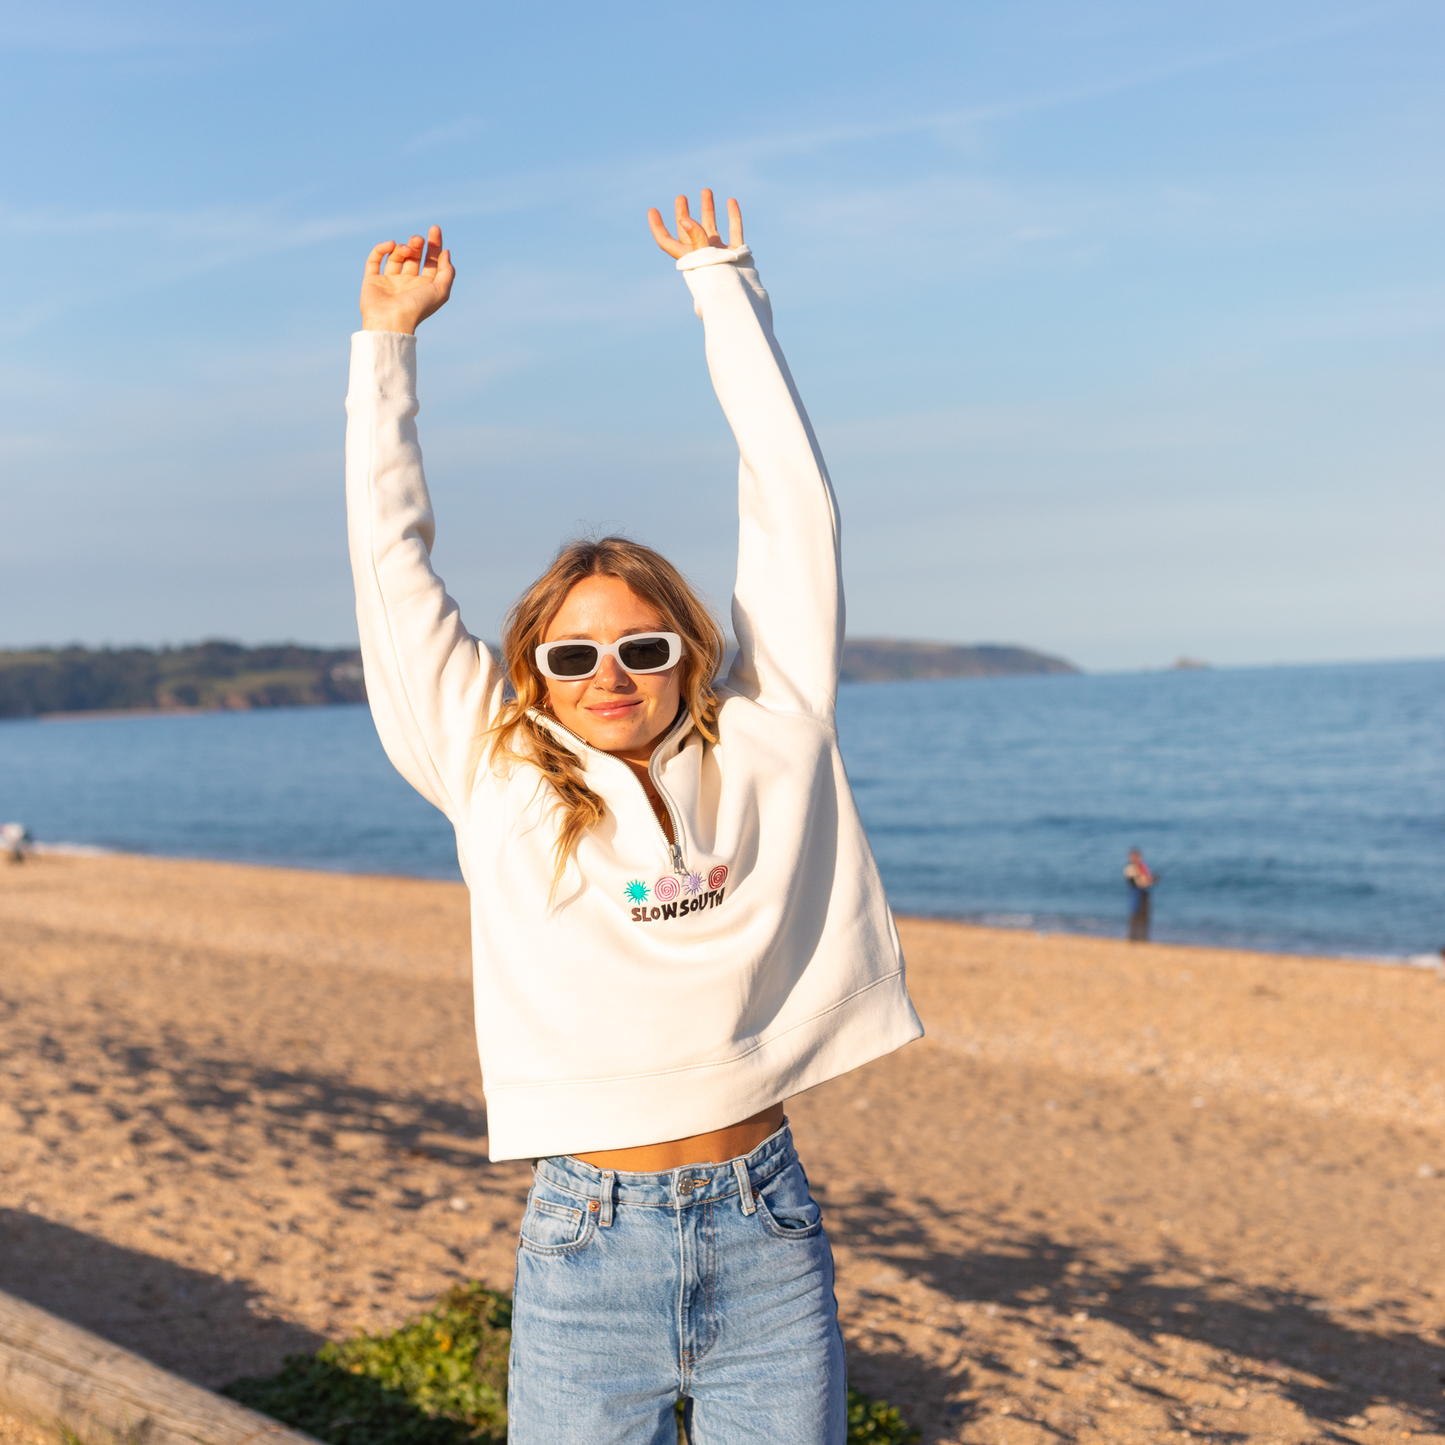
575 658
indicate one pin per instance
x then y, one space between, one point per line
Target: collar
681 726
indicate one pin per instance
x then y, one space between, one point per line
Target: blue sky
1120 323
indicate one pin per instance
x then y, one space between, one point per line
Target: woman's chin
615 735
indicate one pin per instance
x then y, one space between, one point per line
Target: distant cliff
218 675
204 675
885 659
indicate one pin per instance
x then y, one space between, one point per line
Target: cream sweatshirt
664 992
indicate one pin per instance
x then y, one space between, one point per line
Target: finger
433 250
378 254
709 213
735 223
446 273
680 207
694 234
663 236
414 249
406 251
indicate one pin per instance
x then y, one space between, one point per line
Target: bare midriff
716 1147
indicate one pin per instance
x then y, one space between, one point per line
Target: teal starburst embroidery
637 891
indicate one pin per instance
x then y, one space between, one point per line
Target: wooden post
61 1375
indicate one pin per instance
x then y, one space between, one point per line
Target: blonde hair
516 737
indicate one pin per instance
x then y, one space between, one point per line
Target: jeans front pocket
786 1207
552 1226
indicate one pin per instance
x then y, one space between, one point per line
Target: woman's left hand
398 291
690 235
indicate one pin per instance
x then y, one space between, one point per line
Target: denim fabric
712 1283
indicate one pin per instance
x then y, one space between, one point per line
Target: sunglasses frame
675 650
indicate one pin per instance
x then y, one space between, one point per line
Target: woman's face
612 710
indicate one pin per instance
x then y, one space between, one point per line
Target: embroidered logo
676 897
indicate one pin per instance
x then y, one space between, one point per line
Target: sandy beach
1126 1193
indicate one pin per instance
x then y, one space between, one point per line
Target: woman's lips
611 710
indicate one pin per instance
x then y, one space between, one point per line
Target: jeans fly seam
684 1364
709 1222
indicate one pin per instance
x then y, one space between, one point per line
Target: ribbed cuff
713 256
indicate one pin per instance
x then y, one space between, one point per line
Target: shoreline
1420 962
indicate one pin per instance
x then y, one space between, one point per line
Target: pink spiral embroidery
718 876
666 889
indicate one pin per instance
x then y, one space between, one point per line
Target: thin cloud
821 138
72 30
449 131
1012 217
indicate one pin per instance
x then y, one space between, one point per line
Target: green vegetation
873 1421
441 1379
226 675
204 675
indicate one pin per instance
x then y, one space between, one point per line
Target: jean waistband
687 1184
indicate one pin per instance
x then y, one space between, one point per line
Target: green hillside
204 675
226 675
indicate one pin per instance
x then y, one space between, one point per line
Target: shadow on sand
193 1323
295 1108
1257 1330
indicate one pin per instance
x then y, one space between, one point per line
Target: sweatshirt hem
526 1122
728 1062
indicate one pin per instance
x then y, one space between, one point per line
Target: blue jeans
711 1283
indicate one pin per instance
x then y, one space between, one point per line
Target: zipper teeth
674 850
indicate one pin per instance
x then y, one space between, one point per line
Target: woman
676 919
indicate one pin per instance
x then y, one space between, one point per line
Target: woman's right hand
398 293
690 235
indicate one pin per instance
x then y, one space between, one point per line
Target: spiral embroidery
676 897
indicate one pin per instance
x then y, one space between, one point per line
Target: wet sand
1127 1193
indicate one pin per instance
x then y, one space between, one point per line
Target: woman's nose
610 677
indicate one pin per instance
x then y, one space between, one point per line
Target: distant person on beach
15 841
1141 885
676 919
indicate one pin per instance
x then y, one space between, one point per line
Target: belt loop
607 1186
745 1185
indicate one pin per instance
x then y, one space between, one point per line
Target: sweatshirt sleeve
432 686
788 602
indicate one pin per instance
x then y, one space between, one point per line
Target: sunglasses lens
642 654
572 659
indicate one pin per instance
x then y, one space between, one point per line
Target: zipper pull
677 858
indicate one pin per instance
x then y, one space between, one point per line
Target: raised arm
788 602
432 686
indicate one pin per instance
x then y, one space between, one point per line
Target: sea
1292 809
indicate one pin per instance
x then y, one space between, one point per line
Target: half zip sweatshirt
667 989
